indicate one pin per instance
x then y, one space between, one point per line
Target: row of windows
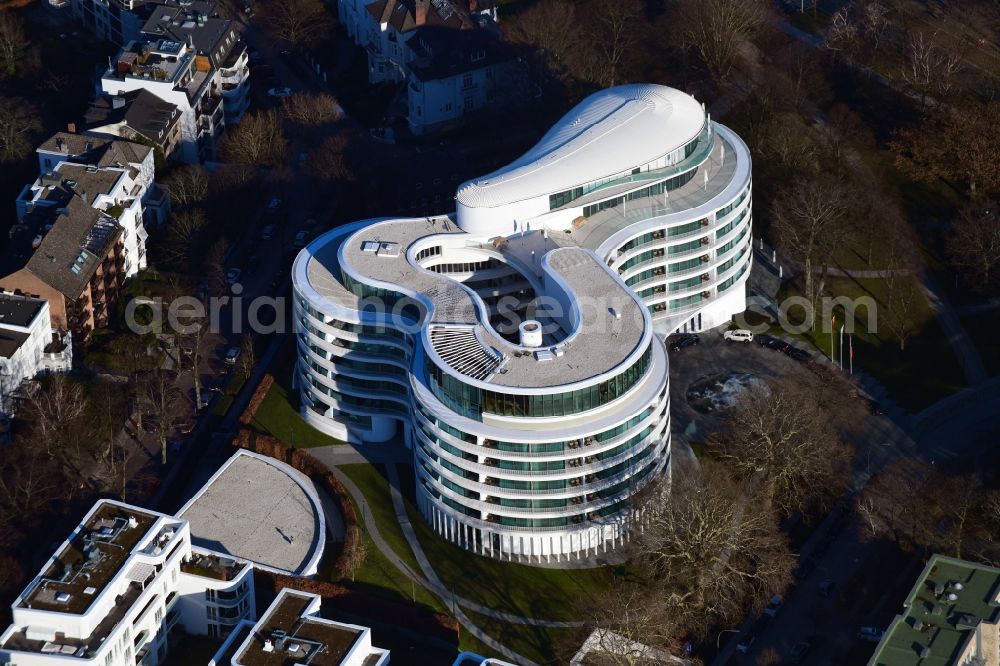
467 266
732 280
560 199
378 405
722 231
472 401
652 190
433 251
722 212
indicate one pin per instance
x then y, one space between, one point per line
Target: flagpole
841 347
833 326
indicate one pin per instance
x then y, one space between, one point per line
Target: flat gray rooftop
254 509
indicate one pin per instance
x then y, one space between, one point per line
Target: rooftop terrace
93 557
950 599
287 636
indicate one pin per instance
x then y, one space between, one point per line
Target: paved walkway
428 579
968 356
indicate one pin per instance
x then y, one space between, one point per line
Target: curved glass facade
472 401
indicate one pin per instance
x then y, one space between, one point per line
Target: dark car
679 342
797 354
771 342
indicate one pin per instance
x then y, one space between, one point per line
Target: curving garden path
428 578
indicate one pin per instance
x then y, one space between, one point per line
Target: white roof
611 131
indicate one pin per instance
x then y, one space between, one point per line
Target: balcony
212 566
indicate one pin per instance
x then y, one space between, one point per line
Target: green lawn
279 417
372 481
551 594
541 645
917 376
378 576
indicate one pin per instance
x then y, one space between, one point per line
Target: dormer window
477 55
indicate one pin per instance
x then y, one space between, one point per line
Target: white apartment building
448 52
112 176
291 630
103 152
116 589
512 342
194 61
28 345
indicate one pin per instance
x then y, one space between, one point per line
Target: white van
738 335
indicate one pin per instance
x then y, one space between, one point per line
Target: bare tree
811 219
780 438
552 29
19 123
181 246
13 43
258 140
715 548
297 23
929 67
630 623
900 297
887 502
310 109
874 23
717 29
962 146
328 161
612 36
163 401
188 185
56 413
28 485
973 244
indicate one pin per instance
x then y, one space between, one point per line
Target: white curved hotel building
513 342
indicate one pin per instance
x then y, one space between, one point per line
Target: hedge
318 473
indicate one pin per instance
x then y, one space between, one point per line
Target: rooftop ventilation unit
531 333
543 355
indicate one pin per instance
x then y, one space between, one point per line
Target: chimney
420 11
71 128
190 40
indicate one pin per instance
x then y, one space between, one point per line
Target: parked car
279 92
746 642
233 276
774 605
300 239
771 342
800 355
679 342
268 232
738 335
232 354
873 634
799 651
274 204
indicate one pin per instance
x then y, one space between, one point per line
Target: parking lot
714 356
